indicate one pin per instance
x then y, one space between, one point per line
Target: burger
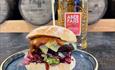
50 48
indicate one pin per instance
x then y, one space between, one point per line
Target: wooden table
104 25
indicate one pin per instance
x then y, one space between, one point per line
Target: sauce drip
47 66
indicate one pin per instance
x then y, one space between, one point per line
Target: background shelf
104 25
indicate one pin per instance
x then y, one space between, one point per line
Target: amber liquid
64 6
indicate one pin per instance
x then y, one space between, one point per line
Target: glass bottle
74 7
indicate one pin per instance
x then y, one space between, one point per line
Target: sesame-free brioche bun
53 31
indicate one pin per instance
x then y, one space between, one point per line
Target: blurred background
101 45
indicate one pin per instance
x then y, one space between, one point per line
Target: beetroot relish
37 58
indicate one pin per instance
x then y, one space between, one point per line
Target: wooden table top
101 45
104 25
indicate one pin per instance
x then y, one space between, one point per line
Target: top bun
53 31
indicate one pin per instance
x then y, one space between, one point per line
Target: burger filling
49 50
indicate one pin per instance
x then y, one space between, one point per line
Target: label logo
73 22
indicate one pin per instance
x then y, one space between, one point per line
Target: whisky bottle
73 14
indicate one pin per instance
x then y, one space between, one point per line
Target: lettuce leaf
74 45
51 60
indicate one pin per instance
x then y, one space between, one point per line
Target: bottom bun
61 66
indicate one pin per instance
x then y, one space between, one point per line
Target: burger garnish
47 47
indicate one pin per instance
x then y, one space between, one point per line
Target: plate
82 61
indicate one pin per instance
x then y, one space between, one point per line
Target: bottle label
73 22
